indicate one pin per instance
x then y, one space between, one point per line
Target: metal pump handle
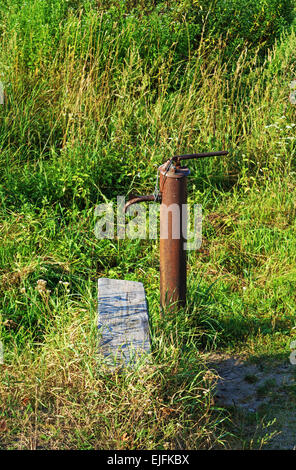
177 159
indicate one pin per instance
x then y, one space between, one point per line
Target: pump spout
138 199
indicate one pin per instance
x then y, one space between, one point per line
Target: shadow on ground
260 398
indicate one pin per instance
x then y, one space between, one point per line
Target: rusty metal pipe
173 184
173 214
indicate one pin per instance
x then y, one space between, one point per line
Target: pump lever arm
178 158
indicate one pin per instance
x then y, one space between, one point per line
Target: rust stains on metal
173 184
173 194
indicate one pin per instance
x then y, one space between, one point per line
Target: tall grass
96 99
85 108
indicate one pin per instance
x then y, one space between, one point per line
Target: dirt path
261 399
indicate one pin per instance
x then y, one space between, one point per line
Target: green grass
91 110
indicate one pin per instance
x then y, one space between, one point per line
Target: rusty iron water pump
172 190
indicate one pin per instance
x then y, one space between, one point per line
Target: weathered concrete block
122 320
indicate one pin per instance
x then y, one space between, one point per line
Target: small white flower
292 85
272 125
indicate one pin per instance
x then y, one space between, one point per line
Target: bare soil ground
261 397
